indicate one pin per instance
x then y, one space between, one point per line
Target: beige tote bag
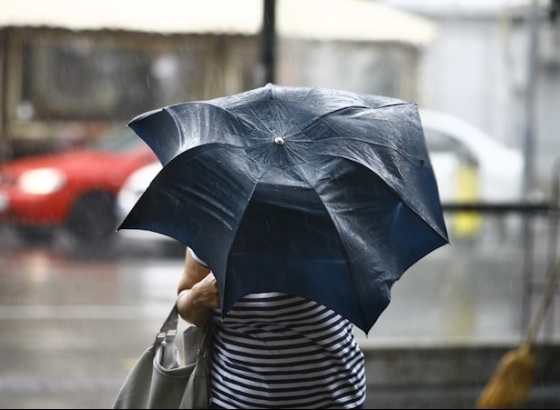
158 380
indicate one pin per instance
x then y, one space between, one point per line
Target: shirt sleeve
196 258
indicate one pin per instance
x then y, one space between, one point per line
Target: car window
439 143
120 140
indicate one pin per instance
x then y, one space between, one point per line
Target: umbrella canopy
320 193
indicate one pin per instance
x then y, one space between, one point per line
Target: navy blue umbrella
325 194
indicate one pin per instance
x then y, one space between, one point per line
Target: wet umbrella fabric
320 193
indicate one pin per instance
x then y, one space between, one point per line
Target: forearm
197 293
195 305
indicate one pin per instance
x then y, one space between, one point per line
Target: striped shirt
278 351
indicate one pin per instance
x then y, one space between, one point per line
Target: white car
129 194
468 165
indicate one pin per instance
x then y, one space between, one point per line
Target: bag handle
206 339
168 330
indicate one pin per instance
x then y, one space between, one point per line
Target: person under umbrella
274 350
299 207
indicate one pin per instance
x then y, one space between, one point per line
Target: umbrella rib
233 114
320 117
404 200
345 138
257 180
340 156
393 148
354 284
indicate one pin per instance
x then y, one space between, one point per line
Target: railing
528 210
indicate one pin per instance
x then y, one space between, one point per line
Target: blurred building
478 69
69 68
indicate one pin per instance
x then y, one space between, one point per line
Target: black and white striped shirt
278 351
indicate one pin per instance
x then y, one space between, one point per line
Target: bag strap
168 330
206 339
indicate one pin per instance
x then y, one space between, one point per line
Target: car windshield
439 142
121 139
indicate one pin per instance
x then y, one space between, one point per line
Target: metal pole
553 238
4 50
530 94
268 41
529 171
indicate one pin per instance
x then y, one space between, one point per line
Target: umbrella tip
279 141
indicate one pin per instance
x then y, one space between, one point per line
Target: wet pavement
73 322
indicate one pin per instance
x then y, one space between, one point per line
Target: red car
74 190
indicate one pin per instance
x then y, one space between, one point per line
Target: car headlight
41 181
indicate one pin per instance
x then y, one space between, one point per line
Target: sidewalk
450 377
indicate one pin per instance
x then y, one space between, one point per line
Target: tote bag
158 380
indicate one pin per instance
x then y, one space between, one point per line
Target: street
73 323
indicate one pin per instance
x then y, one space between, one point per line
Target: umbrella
320 193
